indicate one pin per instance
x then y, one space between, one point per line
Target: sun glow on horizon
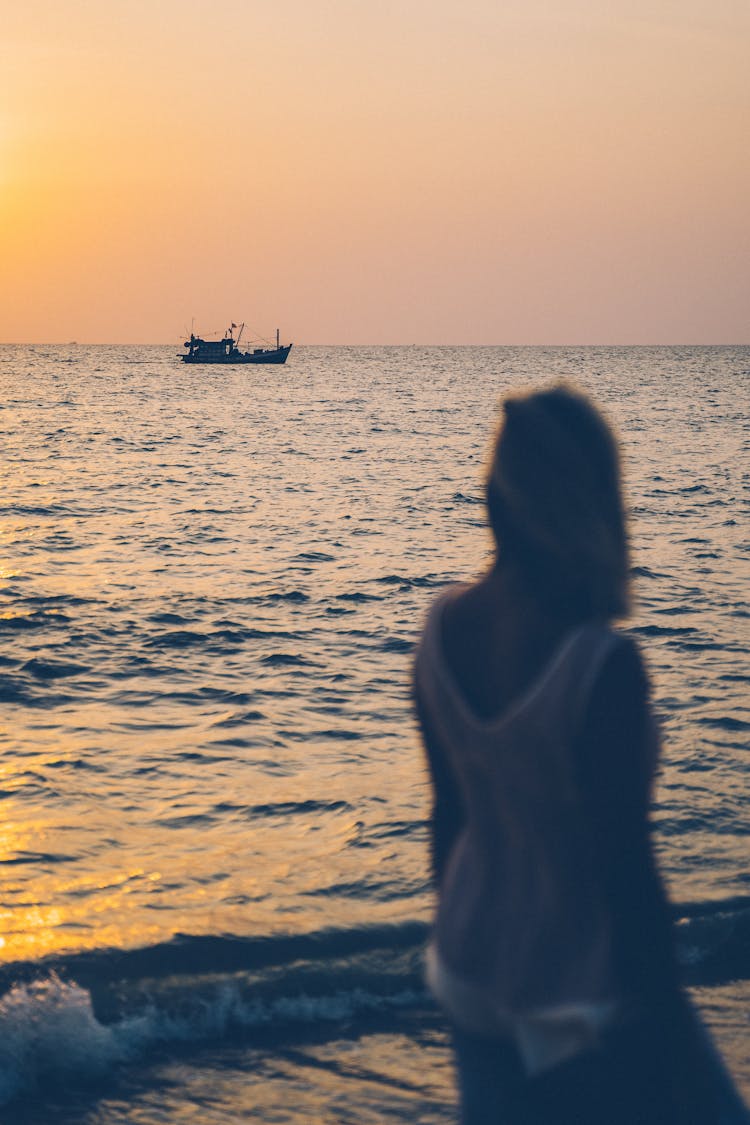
482 175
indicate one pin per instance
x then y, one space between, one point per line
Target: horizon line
411 344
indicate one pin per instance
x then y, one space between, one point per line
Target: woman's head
555 508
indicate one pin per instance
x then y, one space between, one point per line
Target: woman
552 952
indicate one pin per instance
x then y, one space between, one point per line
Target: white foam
48 1032
50 1036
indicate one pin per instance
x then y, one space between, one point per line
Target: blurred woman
552 952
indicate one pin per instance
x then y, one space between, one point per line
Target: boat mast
240 334
277 339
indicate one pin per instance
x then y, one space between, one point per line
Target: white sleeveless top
522 941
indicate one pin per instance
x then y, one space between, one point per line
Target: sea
214 883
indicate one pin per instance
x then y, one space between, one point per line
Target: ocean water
213 808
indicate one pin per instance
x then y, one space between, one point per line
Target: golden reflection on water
217 737
33 931
12 615
15 838
43 936
63 915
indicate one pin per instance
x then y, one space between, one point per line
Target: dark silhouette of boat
227 350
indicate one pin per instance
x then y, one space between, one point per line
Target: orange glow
389 173
30 930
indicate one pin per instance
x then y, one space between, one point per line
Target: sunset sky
376 171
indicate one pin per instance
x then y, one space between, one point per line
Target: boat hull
261 355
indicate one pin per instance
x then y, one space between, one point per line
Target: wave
73 1019
53 669
713 941
53 1037
398 645
704 931
664 630
34 619
78 1021
314 556
39 510
178 638
290 808
50 1036
358 596
428 581
12 690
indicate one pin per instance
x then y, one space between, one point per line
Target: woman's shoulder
447 618
455 648
600 655
465 610
621 671
430 649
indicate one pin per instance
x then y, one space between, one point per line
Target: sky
376 171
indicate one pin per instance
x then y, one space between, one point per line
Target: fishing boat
227 350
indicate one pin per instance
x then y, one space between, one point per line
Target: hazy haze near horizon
376 172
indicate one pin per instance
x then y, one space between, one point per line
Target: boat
227 350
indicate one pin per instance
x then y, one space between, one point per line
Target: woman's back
523 914
497 639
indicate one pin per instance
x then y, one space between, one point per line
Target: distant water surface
214 811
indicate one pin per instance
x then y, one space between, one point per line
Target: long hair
554 502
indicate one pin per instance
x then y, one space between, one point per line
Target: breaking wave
76 1020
